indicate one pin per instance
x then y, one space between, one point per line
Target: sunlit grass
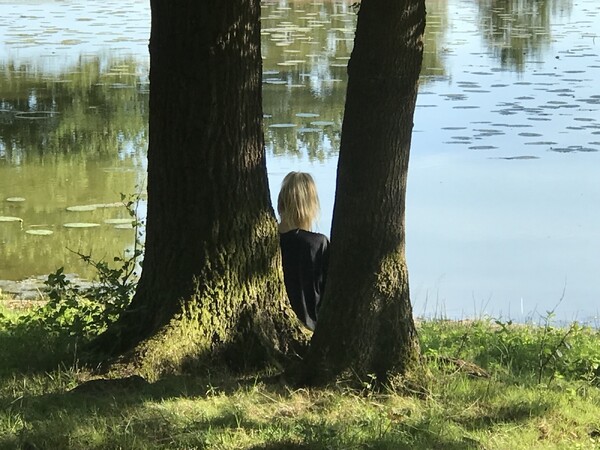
445 408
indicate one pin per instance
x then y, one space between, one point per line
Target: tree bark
365 326
211 248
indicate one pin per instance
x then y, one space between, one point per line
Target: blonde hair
298 202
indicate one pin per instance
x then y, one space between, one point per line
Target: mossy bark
211 249
365 325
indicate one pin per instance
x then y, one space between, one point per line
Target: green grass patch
541 393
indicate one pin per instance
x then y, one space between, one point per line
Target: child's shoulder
314 237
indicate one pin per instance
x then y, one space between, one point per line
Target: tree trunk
211 247
365 325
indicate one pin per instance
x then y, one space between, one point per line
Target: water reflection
68 139
96 107
517 31
306 47
502 187
504 166
435 39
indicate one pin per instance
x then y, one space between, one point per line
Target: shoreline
21 294
33 288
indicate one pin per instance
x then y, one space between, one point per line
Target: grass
542 393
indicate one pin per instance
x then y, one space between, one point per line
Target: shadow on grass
123 418
515 413
119 416
339 436
33 351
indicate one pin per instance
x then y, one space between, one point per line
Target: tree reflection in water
518 30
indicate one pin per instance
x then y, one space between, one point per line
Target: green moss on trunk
366 326
211 279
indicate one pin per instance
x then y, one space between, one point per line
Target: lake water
503 195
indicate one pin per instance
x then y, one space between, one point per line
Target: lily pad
35 115
70 42
81 208
519 158
81 225
270 81
40 232
282 125
109 205
119 221
93 207
530 134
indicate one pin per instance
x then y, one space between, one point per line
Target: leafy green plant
116 283
84 312
544 352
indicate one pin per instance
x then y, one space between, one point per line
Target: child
304 253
